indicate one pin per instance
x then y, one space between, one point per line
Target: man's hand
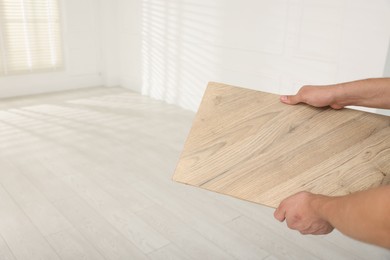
317 96
367 93
300 212
361 215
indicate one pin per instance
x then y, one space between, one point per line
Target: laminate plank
168 252
45 217
247 144
315 245
115 182
71 245
190 242
22 237
335 177
272 257
198 219
364 251
198 199
5 252
105 238
35 170
127 223
16 184
258 235
34 204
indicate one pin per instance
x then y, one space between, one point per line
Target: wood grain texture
247 144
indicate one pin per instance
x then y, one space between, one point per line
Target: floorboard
86 174
247 144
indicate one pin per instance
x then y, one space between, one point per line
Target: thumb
290 100
280 214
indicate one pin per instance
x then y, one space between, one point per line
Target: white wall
82 49
130 37
109 24
386 71
172 48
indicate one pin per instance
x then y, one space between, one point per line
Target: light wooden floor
87 175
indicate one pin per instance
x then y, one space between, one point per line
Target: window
30 37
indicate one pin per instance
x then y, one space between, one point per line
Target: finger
280 214
335 106
311 231
307 231
290 100
292 224
323 231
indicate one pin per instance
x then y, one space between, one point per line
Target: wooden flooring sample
247 144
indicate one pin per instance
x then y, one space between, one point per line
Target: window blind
30 37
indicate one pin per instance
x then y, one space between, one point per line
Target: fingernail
283 98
